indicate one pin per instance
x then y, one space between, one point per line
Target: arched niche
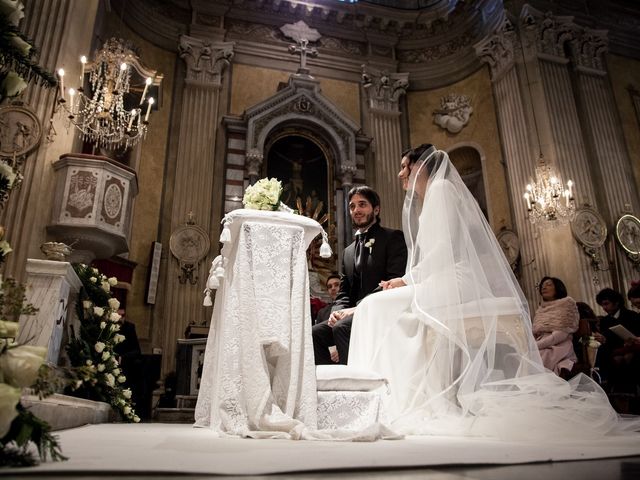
300 109
469 160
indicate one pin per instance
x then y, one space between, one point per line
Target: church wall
150 170
482 129
625 72
251 85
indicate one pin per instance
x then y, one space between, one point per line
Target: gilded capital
384 89
498 50
205 60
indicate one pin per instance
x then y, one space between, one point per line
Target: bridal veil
456 342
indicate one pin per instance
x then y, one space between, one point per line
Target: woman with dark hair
633 295
554 323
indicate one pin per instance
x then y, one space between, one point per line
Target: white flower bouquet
263 195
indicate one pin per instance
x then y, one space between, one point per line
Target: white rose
95 270
87 304
114 327
8 172
113 281
118 338
136 418
9 398
5 248
110 380
93 279
20 364
103 325
88 363
115 316
126 410
12 85
105 286
12 9
126 393
101 367
116 371
20 44
8 329
105 355
98 311
99 346
114 304
122 379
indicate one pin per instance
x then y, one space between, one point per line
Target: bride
453 336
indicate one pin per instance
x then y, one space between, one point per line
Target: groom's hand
393 283
338 315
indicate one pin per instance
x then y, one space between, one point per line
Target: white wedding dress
456 345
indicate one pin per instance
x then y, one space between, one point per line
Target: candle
83 61
123 67
61 77
146 117
566 197
133 115
72 94
528 198
570 185
147 82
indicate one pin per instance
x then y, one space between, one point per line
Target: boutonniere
369 244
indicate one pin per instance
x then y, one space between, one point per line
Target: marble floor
165 451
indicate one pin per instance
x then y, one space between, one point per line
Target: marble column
544 39
52 287
501 51
602 122
383 91
62 30
206 62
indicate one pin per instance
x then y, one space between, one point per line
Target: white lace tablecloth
258 377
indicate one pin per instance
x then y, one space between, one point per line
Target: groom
377 254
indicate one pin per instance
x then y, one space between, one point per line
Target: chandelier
103 107
549 203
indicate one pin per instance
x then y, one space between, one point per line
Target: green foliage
97 374
13 301
25 428
14 58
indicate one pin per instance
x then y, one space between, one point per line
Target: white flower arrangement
369 244
263 195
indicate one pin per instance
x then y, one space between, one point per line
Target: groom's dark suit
386 258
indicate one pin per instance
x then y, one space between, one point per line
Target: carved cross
303 50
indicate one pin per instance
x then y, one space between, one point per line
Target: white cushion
345 378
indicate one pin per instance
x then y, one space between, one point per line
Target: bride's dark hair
414 154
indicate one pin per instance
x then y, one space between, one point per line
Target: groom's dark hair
369 193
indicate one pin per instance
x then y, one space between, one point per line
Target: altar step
62 411
184 412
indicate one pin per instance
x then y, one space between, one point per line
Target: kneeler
349 398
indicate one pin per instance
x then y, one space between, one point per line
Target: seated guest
554 323
634 294
619 360
333 287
